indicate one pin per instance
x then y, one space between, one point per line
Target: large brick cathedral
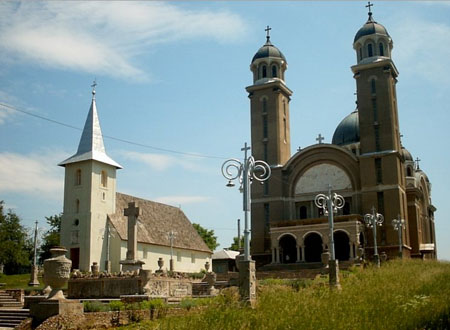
366 163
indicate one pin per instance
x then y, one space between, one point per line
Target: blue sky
172 75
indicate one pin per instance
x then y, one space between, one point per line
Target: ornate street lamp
246 171
398 224
330 204
372 221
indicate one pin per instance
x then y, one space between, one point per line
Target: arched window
373 86
303 212
264 71
408 171
77 206
265 127
264 107
274 71
369 50
104 179
381 49
78 177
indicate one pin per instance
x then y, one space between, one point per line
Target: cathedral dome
371 27
407 155
347 131
268 50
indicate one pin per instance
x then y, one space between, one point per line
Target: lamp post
34 269
171 236
330 204
398 224
372 221
245 172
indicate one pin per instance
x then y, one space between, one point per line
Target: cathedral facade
365 163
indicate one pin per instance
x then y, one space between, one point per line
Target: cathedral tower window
377 138
408 171
303 212
381 48
373 86
265 127
104 179
378 170
266 152
370 50
266 188
375 109
78 177
285 130
77 206
266 215
264 106
264 71
274 71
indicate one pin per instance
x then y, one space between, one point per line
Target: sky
171 79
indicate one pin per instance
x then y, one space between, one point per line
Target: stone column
131 263
247 282
274 251
298 254
277 250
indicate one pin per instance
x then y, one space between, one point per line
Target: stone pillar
302 253
298 254
274 251
34 276
247 281
277 250
352 249
131 263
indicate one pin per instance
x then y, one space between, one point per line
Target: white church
94 228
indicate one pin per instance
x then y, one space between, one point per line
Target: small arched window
274 71
264 106
78 177
369 50
373 88
408 171
77 206
264 71
303 212
381 49
104 179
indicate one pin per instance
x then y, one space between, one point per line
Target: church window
78 177
377 138
378 170
381 49
360 53
264 71
274 71
264 107
266 188
285 130
103 196
303 212
77 206
284 107
266 215
373 86
375 109
265 127
369 50
346 210
104 179
76 222
380 198
408 171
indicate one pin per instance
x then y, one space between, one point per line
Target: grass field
19 282
409 294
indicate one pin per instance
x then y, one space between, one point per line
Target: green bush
95 306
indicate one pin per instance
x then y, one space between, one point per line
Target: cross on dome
417 162
370 11
267 29
320 138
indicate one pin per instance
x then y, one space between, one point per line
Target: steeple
91 146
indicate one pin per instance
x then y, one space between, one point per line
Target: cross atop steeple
417 162
267 29
320 138
93 87
370 11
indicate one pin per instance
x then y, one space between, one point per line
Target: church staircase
7 301
11 318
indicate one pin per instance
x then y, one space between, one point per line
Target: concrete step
10 318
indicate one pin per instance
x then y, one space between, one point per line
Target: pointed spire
91 146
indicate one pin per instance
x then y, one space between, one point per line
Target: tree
235 246
207 236
51 237
15 245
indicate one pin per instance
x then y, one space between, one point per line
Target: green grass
408 294
19 282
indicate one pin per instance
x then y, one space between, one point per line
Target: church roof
156 221
225 254
348 130
91 145
371 27
268 50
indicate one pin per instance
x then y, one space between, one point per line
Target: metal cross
417 162
246 148
368 6
320 138
93 86
267 29
299 149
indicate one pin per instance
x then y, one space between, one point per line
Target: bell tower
269 105
383 182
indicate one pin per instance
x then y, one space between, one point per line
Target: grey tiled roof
156 221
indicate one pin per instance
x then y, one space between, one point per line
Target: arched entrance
341 245
288 249
313 247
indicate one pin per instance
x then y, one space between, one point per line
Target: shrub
115 306
95 306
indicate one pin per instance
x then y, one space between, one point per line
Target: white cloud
180 200
104 37
422 48
160 162
33 174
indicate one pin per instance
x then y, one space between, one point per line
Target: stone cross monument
131 263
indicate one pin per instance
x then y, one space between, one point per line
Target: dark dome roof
348 130
268 50
371 27
407 155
